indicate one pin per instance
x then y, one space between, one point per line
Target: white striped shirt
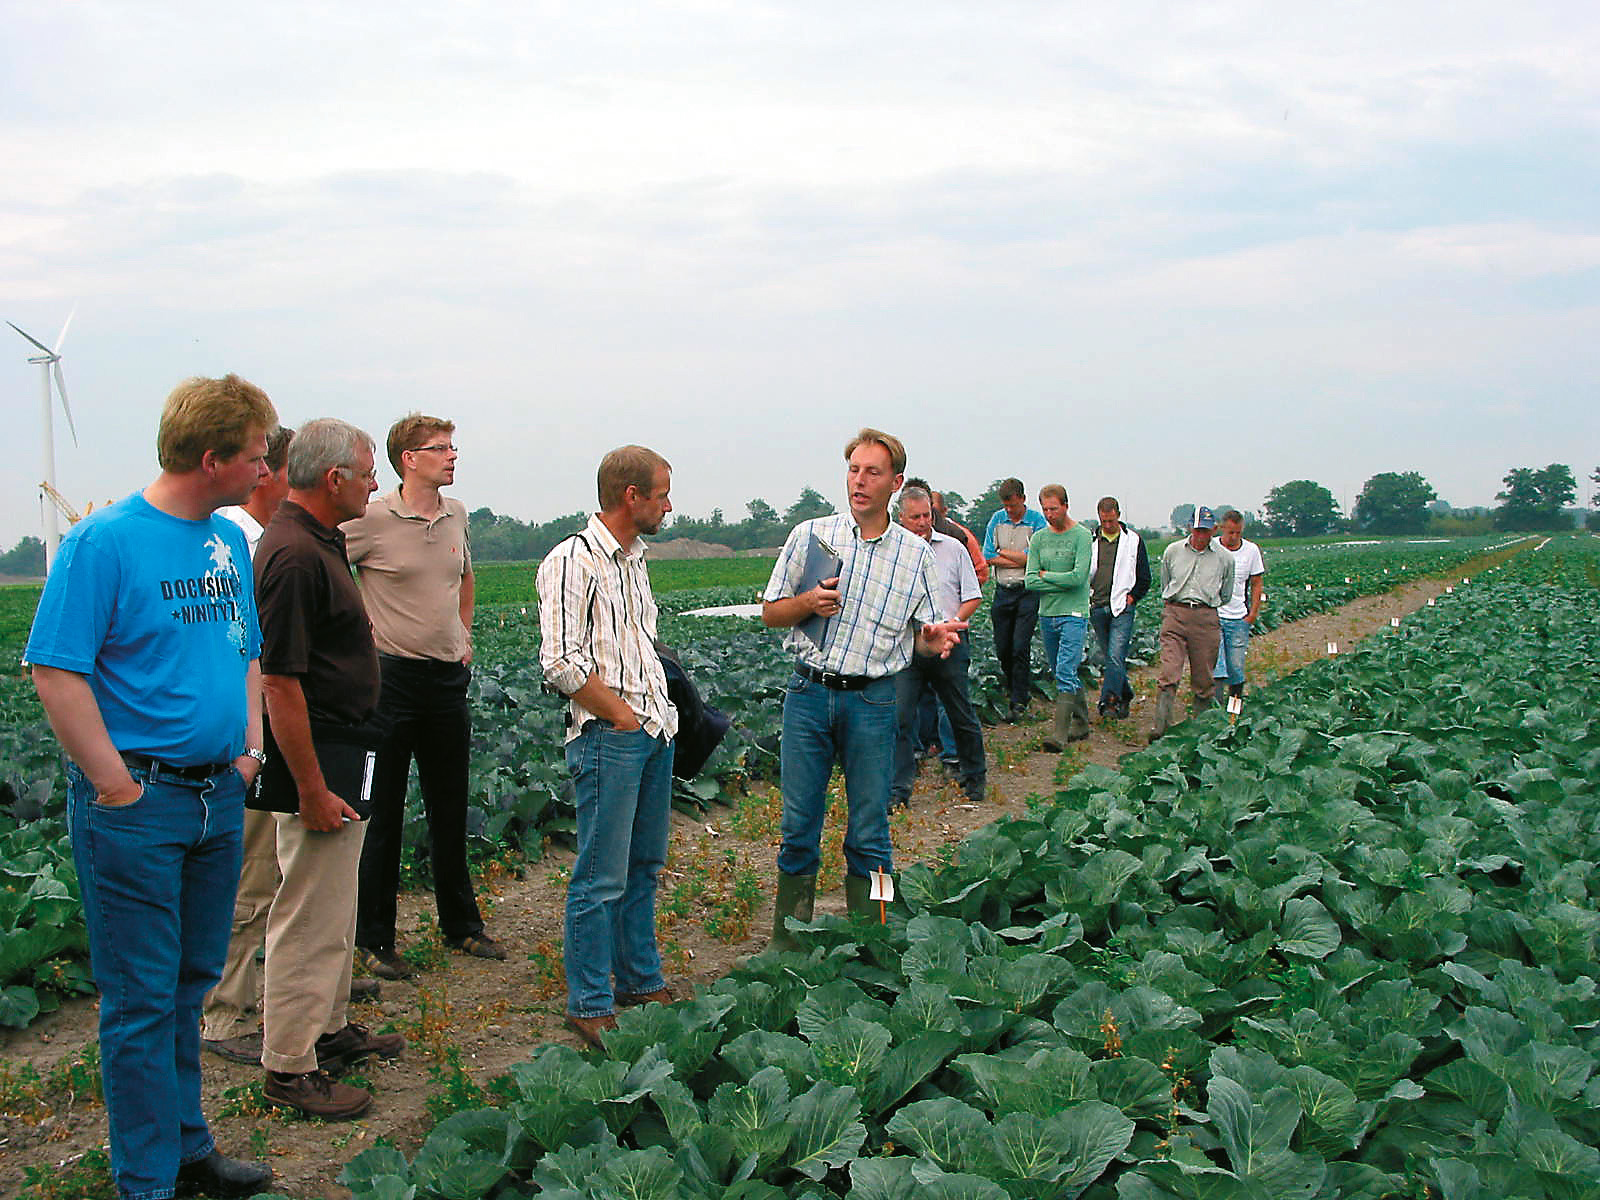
597 616
887 588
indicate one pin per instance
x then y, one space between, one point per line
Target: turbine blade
61 386
31 338
65 325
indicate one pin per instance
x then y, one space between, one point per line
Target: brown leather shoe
630 1000
338 1051
315 1094
365 989
590 1029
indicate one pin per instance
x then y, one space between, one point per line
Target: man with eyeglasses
319 671
410 553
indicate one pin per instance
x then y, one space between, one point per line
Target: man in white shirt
1238 614
958 596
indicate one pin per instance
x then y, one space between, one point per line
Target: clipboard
822 562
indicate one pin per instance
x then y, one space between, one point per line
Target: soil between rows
487 1015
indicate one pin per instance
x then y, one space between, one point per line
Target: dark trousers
947 679
1015 614
424 703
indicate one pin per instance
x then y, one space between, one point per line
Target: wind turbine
49 362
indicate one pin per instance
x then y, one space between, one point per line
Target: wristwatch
259 755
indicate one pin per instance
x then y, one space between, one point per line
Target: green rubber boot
1060 729
797 897
1163 717
858 897
1078 718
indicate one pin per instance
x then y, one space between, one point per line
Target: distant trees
25 558
810 505
1394 502
1300 508
1533 499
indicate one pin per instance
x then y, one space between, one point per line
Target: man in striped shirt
597 624
840 705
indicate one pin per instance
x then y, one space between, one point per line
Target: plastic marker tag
1308 587
1333 647
1449 591
1394 622
1464 579
1347 579
1430 601
1235 706
882 886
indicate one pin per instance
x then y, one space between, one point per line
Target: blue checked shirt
887 586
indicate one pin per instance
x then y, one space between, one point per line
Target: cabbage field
1345 947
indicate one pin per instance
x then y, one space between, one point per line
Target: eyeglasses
440 447
351 473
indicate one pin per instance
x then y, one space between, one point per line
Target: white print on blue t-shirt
213 596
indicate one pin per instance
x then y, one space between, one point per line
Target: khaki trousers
234 997
1191 634
310 937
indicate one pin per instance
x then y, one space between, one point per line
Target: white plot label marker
1333 647
1394 622
1430 601
1235 706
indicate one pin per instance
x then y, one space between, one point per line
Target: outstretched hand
941 638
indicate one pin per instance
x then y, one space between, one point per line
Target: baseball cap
1204 518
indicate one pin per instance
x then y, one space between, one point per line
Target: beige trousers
234 998
1191 634
311 933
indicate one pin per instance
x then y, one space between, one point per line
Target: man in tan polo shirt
414 565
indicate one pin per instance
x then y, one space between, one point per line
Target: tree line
1391 502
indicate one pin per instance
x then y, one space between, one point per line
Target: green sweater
1058 569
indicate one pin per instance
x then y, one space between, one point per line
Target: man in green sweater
1058 569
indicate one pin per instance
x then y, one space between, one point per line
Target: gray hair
912 492
320 445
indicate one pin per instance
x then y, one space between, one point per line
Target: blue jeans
158 878
1114 633
1063 648
858 730
947 679
624 786
1230 654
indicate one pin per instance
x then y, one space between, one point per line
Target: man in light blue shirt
877 611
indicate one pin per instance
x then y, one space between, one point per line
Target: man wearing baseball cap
1196 577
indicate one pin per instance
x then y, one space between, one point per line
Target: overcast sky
1176 251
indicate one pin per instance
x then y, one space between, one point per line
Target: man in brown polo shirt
411 556
320 677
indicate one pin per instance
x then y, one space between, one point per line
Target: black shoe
246 1048
365 989
218 1175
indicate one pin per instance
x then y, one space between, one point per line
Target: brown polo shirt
411 568
313 624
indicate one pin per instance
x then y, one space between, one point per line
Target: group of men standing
240 716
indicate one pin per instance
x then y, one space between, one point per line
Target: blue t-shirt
159 612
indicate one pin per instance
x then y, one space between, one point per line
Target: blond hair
896 448
218 415
1053 489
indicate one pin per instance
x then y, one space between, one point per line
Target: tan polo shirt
410 569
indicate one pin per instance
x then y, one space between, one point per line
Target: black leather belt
155 770
1190 603
1010 587
834 680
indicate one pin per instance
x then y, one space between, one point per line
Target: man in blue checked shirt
840 705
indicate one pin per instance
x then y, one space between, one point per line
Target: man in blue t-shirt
144 652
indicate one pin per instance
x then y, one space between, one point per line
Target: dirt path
467 1020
